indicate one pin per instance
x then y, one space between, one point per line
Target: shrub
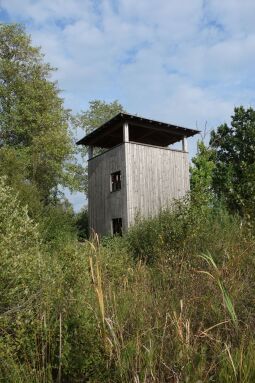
82 224
170 301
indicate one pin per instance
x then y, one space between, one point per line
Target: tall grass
226 298
172 301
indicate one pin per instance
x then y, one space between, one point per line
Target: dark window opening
115 181
117 226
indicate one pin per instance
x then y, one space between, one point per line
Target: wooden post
90 152
184 144
125 132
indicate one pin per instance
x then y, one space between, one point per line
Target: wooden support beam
125 132
169 129
91 152
184 144
94 141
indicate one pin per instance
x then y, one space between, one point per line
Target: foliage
20 278
94 312
170 301
167 321
227 301
57 224
36 148
234 173
46 325
19 247
98 113
201 171
82 224
182 224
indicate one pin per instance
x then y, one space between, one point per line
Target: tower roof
142 130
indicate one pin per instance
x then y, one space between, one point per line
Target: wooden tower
137 174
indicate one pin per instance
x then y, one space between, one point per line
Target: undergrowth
171 301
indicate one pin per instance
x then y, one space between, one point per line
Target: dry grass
109 313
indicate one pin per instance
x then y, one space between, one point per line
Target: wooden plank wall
155 176
151 178
105 205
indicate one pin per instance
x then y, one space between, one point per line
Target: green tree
36 148
98 113
234 173
201 171
82 224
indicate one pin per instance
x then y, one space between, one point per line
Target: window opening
117 226
115 181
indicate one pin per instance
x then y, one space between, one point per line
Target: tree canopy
97 113
202 170
234 174
227 166
36 148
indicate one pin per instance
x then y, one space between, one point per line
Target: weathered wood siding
150 178
105 205
155 176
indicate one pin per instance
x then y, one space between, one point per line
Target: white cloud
236 16
45 11
186 62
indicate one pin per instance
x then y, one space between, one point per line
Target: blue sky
187 62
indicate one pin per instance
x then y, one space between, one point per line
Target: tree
82 224
234 173
201 171
36 148
98 113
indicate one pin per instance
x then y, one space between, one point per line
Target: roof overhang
141 130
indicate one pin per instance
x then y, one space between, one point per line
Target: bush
20 259
47 327
185 227
21 267
57 225
174 315
170 301
82 224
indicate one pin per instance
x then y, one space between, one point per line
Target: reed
170 302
